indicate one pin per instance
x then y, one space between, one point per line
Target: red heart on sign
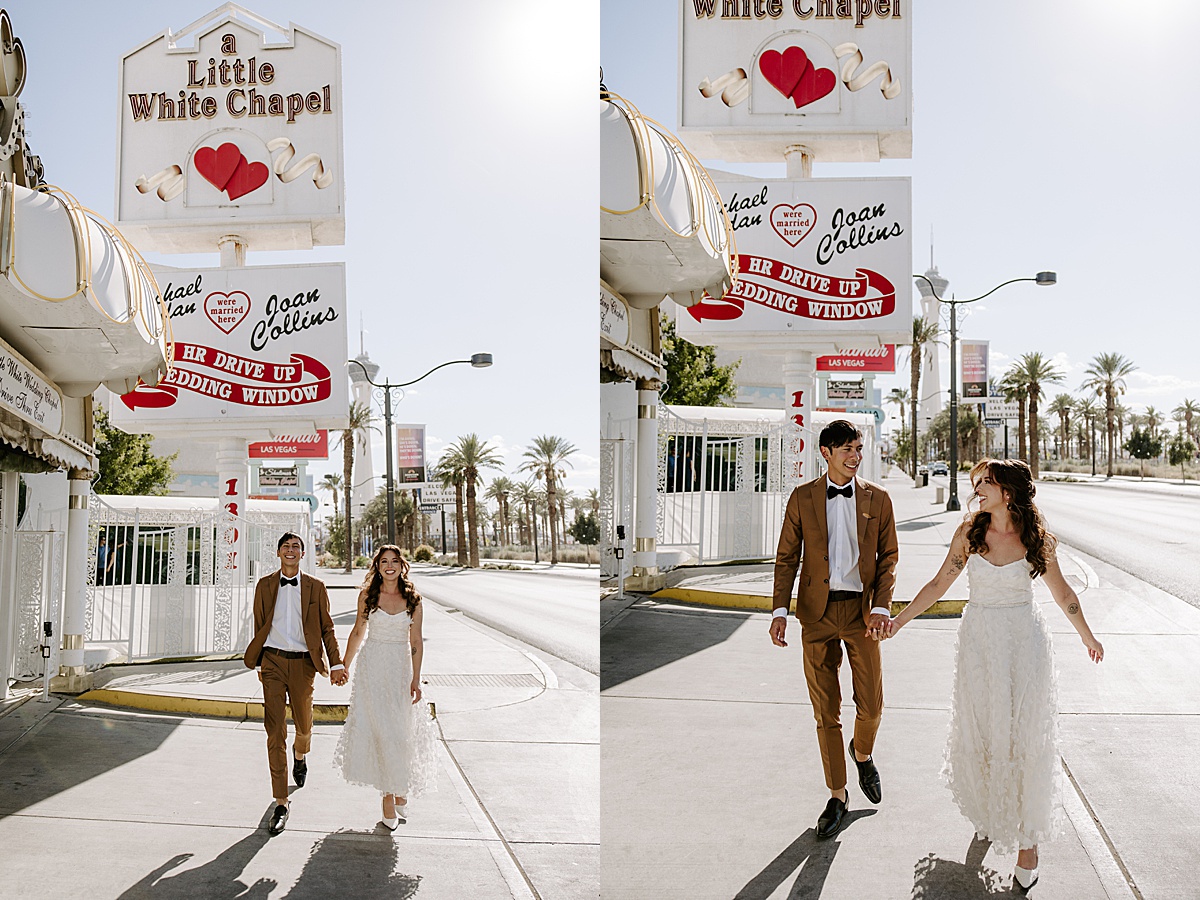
227 311
793 223
814 84
784 70
217 166
246 177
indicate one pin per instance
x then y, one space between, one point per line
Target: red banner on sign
866 295
292 446
877 359
294 392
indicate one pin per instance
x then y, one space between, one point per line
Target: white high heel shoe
392 823
1026 878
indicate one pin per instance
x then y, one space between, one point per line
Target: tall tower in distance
363 489
932 400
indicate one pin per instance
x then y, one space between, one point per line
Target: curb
326 714
734 600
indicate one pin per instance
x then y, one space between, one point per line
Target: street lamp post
1042 278
477 361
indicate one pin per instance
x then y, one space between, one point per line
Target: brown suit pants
822 642
286 680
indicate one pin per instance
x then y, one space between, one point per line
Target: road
1153 533
556 611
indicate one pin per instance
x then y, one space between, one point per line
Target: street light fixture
1042 278
477 361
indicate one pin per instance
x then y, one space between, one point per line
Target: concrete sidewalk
168 794
712 777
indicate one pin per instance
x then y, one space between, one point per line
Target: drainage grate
517 681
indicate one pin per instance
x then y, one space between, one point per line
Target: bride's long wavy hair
1013 476
374 581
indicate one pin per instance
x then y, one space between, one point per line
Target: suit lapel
272 597
817 495
862 504
305 598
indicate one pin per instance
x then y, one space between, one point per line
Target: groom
842 528
291 627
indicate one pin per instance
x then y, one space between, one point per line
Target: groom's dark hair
838 433
287 536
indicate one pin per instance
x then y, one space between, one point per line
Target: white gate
38 597
723 485
159 588
616 501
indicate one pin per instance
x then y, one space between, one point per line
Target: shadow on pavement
807 851
943 879
218 879
359 864
70 750
646 640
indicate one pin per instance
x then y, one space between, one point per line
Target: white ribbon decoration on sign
169 181
733 86
321 178
889 87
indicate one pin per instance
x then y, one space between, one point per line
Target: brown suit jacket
314 616
805 528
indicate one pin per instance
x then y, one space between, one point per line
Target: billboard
292 446
757 77
278 476
974 367
875 361
254 349
410 455
826 259
846 390
219 124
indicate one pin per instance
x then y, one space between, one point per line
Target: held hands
339 676
415 689
881 627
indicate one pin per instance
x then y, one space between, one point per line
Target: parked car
940 468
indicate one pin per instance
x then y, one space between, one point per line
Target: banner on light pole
410 456
974 371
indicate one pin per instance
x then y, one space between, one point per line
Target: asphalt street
1150 531
554 611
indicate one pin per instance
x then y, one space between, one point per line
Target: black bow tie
831 492
294 582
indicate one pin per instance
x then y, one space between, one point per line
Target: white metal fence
39 586
723 485
157 585
616 501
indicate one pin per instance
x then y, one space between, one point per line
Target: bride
388 742
1001 755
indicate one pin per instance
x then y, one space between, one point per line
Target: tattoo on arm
956 563
1072 609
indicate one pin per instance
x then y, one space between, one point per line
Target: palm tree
331 483
358 424
593 499
1123 415
545 458
1087 411
1062 405
924 334
499 490
448 473
469 455
526 494
1188 409
1106 378
1036 370
1015 388
565 498
899 398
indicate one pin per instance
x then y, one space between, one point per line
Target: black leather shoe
830 822
278 820
868 777
300 771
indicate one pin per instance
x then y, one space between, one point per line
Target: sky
471 224
1057 136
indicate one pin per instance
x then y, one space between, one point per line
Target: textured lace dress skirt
388 743
1002 762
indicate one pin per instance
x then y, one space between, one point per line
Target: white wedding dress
1002 760
388 742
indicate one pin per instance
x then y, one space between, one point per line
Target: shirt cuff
880 611
338 666
781 612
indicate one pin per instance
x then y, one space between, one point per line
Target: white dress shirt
841 518
287 627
